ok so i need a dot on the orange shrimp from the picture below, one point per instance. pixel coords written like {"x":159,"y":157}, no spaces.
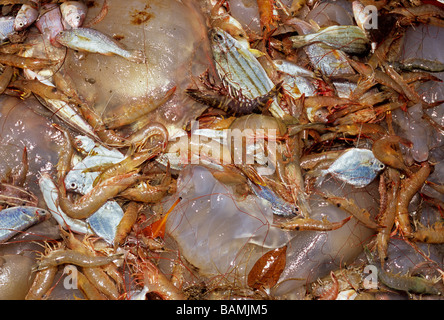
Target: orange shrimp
{"x":93,"y":200}
{"x":87,"y":288}
{"x":127,"y":222}
{"x":409,"y":187}
{"x":384,"y":152}
{"x":42,"y":283}
{"x":308,"y":224}
{"x":432,"y":234}
{"x":25,"y":63}
{"x":349,"y":206}
{"x":103,"y":283}
{"x":5,"y":78}
{"x":267,"y":17}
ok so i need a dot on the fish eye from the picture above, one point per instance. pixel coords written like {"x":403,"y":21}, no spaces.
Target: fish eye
{"x":382,"y":166}
{"x":73,"y":185}
{"x":217,"y":37}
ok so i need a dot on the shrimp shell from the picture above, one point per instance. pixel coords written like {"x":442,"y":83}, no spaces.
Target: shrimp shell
{"x":42,"y":283}
{"x":62,"y":256}
{"x":305,"y":224}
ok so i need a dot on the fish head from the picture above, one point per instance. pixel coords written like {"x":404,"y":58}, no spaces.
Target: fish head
{"x":25,"y":17}
{"x":84,"y":144}
{"x":75,"y":181}
{"x":221,"y":42}
{"x":73,"y":13}
{"x":377,"y":165}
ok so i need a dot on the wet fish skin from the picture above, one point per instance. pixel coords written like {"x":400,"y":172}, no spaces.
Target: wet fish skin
{"x":350,"y":39}
{"x":90,"y":40}
{"x":25,"y":17}
{"x":16,"y":219}
{"x":6,"y":28}
{"x":356,"y":166}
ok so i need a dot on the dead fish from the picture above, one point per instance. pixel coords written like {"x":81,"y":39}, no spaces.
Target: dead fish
{"x":355,"y":166}
{"x":350,"y":39}
{"x":90,"y":40}
{"x":16,"y":219}
{"x":73,"y":13}
{"x":26,"y":16}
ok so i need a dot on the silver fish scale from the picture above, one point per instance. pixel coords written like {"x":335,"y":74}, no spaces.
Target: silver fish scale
{"x":6,"y":28}
{"x":16,"y":219}
{"x":355,"y":166}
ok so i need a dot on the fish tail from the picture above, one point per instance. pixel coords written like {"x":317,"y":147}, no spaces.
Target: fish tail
{"x":298,"y":41}
{"x":137,"y":56}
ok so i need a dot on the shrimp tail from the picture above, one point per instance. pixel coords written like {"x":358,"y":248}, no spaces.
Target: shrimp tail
{"x":137,"y":56}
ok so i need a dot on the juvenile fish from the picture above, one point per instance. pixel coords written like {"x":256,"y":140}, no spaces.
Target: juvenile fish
{"x":16,"y":219}
{"x":355,"y":166}
{"x":90,"y":40}
{"x":73,"y":13}
{"x":350,"y":39}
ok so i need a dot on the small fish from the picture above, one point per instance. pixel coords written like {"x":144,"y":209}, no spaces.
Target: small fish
{"x":238,"y":67}
{"x":6,"y":28}
{"x":278,"y":206}
{"x":90,"y":40}
{"x":26,"y":16}
{"x":355,"y":166}
{"x":16,"y":219}
{"x":50,"y":22}
{"x":350,"y":39}
{"x":73,"y":13}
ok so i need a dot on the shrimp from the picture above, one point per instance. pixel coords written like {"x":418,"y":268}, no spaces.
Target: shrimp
{"x":238,"y":105}
{"x":267,"y":17}
{"x":65,"y":156}
{"x":62,"y":256}
{"x":100,"y":16}
{"x":5,"y":78}
{"x":87,"y":288}
{"x":93,"y":200}
{"x":157,"y":282}
{"x":384,"y":152}
{"x":102,"y":282}
{"x":308,"y":224}
{"x":42,"y":283}
{"x":311,"y":160}
{"x":128,"y":164}
{"x":128,"y":113}
{"x":432,"y":234}
{"x":127,"y":222}
{"x":405,"y":283}
{"x":144,"y":192}
{"x":332,"y":293}
{"x":349,"y":206}
{"x":387,"y":216}
{"x":409,"y":187}
{"x":24,"y":63}
{"x":436,"y":186}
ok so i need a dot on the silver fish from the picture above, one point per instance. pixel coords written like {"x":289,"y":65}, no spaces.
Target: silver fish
{"x":238,"y":67}
{"x":350,"y":39}
{"x":355,"y":166}
{"x":16,"y":219}
{"x":104,"y":221}
{"x":73,"y":13}
{"x":90,"y":40}
{"x":50,"y":195}
{"x":6,"y":28}
{"x":330,"y":62}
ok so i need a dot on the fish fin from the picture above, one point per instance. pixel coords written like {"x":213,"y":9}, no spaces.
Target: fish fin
{"x":315,"y":25}
{"x":256,"y":53}
{"x":137,"y":56}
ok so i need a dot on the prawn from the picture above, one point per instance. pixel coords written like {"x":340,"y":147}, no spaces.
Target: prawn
{"x":62,"y":256}
{"x":87,"y":288}
{"x":42,"y":283}
{"x":308,"y":224}
{"x":94,"y":199}
{"x":5,"y":78}
{"x":24,"y":62}
{"x":432,"y":234}
{"x":409,"y":187}
{"x":349,"y":206}
{"x":127,"y":222}
{"x":384,"y":152}
{"x":332,"y":293}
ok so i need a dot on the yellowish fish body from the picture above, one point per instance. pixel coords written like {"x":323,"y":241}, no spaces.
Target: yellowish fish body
{"x":90,"y":40}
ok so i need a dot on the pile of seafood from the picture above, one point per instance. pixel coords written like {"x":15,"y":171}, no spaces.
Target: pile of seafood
{"x":221,"y":149}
